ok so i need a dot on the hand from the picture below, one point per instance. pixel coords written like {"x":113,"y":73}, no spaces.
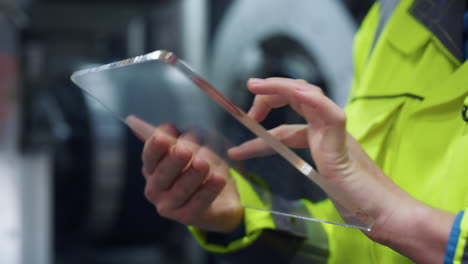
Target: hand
{"x":401,"y":222}
{"x":187,"y":182}
{"x":339,"y":158}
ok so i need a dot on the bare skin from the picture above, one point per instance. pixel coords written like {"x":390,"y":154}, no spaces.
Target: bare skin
{"x":185,"y":182}
{"x":403,"y":223}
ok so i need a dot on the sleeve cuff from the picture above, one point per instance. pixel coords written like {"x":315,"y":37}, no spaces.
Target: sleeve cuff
{"x":457,"y":250}
{"x":225,"y":239}
{"x":254,"y":220}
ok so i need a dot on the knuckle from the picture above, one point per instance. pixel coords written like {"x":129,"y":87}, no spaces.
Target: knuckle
{"x":144,"y":172}
{"x":151,"y":142}
{"x":319,"y":90}
{"x":260,"y":100}
{"x":158,"y":179}
{"x":317,"y":94}
{"x":150,"y":193}
{"x":203,"y":151}
{"x":340,"y":118}
{"x":179,"y":191}
{"x":168,"y":128}
{"x":186,"y":218}
{"x":163,"y":210}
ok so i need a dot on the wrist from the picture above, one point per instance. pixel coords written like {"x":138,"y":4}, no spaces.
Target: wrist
{"x":417,"y":231}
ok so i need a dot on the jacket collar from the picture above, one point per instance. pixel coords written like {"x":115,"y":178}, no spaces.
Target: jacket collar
{"x":444,"y":18}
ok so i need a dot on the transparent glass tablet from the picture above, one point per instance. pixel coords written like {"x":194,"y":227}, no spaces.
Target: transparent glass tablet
{"x":159,"y":88}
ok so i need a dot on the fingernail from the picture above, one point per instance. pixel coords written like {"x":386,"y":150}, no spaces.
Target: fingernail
{"x":256,"y":81}
{"x":182,"y":153}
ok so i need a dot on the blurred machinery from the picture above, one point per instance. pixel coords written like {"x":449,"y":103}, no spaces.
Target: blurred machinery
{"x":99,"y":212}
{"x":314,"y":44}
{"x":78,"y":186}
{"x":9,"y":169}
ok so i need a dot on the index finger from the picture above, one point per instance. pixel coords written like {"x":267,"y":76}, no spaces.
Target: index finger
{"x":280,"y":86}
{"x":156,"y":147}
{"x":274,"y":93}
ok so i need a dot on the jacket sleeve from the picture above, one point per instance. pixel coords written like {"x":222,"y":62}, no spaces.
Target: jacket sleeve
{"x":269,"y":237}
{"x":457,"y":247}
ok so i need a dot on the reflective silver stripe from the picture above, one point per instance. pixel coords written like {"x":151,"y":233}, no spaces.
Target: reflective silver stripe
{"x":386,"y":9}
{"x":286,"y":207}
{"x":314,"y":245}
{"x":444,"y":18}
{"x":289,"y":224}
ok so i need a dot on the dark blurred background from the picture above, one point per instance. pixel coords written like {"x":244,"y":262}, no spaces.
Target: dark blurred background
{"x":70,"y":183}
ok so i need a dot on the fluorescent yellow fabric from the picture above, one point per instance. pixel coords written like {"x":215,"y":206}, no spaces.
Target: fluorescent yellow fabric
{"x":405,"y":110}
{"x":462,"y":240}
{"x":420,"y":144}
{"x":255,"y":221}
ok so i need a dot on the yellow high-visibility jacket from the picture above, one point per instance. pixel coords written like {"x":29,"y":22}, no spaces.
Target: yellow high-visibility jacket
{"x":407,"y":108}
